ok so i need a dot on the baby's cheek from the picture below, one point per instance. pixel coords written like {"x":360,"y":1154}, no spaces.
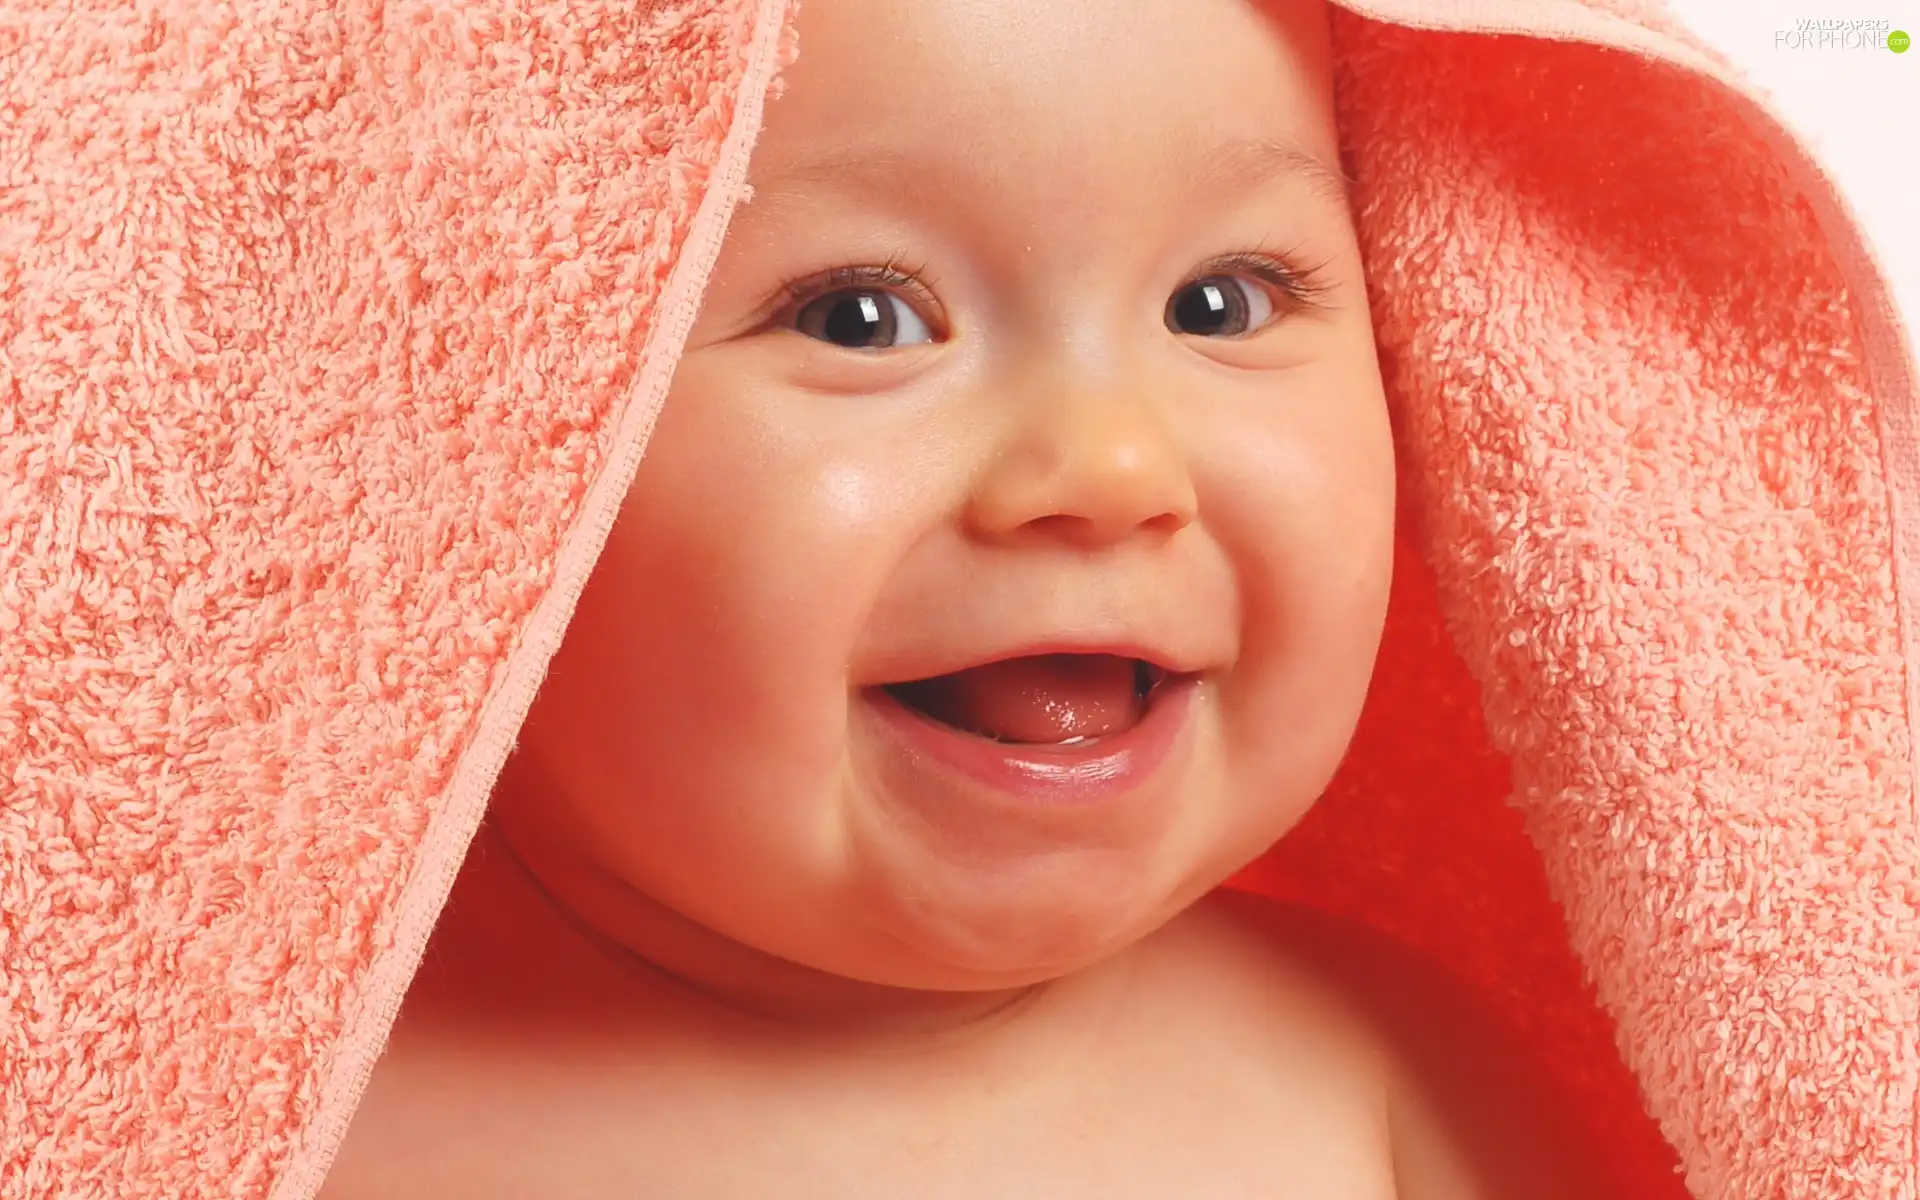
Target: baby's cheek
{"x":849,"y":494}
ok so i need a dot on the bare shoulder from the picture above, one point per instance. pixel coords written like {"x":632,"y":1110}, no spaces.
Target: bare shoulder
{"x":1471,"y":1115}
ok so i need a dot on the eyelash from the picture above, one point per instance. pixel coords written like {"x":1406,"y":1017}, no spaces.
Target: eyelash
{"x":1302,"y":286}
{"x":797,"y":293}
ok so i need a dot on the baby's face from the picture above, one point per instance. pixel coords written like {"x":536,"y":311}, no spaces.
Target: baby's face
{"x":1038,"y":332}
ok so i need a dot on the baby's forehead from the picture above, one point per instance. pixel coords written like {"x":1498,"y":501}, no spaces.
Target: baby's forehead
{"x":1199,"y":89}
{"x":1210,"y":160}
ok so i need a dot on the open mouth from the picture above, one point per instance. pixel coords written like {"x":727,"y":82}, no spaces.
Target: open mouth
{"x":1042,"y":699}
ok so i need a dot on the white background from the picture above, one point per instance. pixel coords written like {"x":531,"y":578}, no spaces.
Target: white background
{"x":1858,"y":109}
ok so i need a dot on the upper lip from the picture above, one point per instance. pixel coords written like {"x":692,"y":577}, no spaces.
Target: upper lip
{"x":1172,"y":660}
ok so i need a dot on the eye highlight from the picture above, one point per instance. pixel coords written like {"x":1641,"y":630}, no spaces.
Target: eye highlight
{"x":859,"y":308}
{"x":868,"y":309}
{"x":1219,"y":306}
{"x":1242,"y":294}
{"x":866,"y":319}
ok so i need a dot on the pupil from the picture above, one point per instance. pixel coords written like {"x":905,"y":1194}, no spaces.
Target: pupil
{"x":1209,"y":308}
{"x":857,"y":319}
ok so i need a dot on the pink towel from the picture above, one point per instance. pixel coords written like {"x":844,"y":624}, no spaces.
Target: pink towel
{"x":331,"y":334}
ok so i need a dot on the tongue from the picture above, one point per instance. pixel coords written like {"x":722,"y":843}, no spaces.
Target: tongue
{"x":1046,"y":698}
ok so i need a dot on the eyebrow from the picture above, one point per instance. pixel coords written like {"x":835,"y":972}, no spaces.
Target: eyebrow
{"x":1248,"y":161}
{"x":1239,"y":163}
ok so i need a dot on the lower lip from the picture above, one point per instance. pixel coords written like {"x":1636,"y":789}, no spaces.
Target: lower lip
{"x":1060,"y":775}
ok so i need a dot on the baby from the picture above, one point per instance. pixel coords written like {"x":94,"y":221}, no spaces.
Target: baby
{"x":1005,"y":571}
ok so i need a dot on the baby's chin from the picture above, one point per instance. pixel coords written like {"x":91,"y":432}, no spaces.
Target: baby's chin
{"x":969,"y":925}
{"x":973,"y":896}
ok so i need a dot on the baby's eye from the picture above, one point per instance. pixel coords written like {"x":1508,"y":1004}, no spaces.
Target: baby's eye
{"x":1220,"y":306}
{"x":861,"y":319}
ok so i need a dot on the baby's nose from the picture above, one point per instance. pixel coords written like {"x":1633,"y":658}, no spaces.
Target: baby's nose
{"x":1092,"y":468}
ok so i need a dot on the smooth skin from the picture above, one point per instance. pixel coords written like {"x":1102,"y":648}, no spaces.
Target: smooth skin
{"x":1121,"y":382}
{"x":1038,"y":455}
